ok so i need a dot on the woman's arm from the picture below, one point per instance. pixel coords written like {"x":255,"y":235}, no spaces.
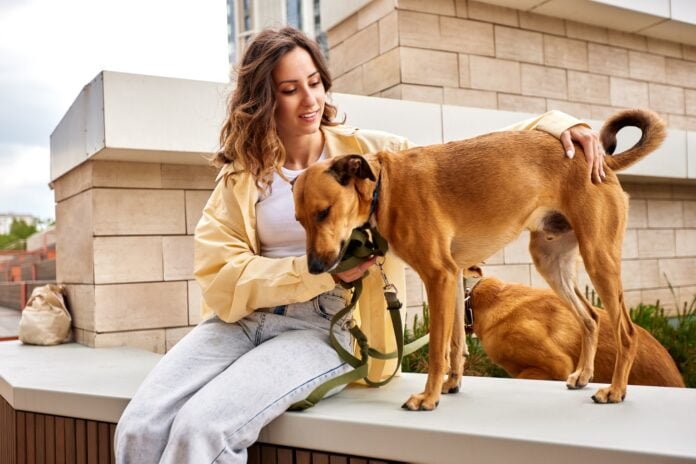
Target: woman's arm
{"x":234,"y":280}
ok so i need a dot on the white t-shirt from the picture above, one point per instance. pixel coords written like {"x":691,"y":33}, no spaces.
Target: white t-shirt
{"x":280,"y":234}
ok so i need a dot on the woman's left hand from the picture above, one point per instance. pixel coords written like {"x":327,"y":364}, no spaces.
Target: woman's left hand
{"x":589,"y":141}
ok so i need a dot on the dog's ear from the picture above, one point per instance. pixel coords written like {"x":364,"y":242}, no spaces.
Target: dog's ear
{"x":473,"y":272}
{"x":348,"y":167}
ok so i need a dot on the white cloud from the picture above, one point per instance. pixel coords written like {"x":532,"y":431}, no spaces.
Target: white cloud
{"x":49,"y":50}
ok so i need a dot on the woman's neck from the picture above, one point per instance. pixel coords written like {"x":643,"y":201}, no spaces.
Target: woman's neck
{"x":302,"y":151}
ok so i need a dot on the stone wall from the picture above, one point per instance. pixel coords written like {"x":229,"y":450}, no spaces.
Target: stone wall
{"x":125,"y":250}
{"x":474,"y":54}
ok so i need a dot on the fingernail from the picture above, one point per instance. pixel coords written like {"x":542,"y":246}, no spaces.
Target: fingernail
{"x":570,"y":153}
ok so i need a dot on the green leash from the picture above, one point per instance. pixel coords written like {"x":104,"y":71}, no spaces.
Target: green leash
{"x":359,"y":249}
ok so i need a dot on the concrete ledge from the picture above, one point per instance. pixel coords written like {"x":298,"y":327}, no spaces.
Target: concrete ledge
{"x":491,"y":420}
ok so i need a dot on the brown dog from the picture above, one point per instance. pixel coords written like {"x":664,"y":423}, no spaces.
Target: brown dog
{"x":532,"y":334}
{"x":444,"y":208}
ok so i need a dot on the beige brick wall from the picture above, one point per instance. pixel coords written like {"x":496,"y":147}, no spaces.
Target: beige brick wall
{"x":125,"y":250}
{"x":469,"y":53}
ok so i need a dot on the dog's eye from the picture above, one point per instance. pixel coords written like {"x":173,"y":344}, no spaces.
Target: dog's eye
{"x":321,"y":215}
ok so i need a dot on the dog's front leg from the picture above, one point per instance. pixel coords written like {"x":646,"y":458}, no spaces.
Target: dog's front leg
{"x":441,"y":287}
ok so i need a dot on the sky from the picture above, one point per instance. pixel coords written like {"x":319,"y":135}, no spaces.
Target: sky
{"x":49,"y":50}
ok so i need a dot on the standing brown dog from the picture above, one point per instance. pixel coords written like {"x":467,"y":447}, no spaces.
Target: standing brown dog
{"x":531,"y":333}
{"x":444,"y":208}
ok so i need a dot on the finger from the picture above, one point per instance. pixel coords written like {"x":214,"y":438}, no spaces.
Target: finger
{"x":600,"y":157}
{"x":364,"y":266}
{"x":567,"y":142}
{"x":597,"y":163}
{"x":589,"y":149}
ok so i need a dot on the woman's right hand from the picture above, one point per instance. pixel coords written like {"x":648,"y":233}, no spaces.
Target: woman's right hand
{"x":354,"y":273}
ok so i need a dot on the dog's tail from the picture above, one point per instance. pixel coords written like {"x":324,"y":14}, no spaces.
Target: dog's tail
{"x":648,"y":122}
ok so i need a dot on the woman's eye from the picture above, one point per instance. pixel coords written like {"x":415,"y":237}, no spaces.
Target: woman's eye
{"x":321,"y":215}
{"x":314,"y":84}
{"x":288,"y":91}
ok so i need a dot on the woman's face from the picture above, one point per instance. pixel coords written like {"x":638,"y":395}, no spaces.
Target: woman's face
{"x":299,"y":94}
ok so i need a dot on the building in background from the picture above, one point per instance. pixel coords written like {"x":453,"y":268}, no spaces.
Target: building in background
{"x":247,"y":17}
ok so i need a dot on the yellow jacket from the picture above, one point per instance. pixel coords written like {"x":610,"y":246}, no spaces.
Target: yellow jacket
{"x":235,"y":280}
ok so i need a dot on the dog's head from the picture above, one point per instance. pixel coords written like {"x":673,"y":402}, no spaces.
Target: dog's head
{"x":332,"y":198}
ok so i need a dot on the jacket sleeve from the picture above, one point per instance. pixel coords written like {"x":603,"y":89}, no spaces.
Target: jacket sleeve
{"x":553,"y":122}
{"x":234,"y":280}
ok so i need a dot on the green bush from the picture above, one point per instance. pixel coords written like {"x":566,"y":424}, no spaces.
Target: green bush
{"x":676,"y":334}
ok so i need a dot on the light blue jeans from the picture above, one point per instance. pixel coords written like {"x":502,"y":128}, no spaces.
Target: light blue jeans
{"x":209,"y":397}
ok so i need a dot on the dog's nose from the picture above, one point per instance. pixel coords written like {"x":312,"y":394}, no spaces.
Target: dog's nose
{"x":316,"y":266}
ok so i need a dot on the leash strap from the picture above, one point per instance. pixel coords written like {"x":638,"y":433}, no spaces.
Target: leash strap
{"x":358,"y":250}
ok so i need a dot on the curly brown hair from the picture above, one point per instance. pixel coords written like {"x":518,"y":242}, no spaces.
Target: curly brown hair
{"x":249,"y":136}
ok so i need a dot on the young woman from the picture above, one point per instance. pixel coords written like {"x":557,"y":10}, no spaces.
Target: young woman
{"x":265,"y":344}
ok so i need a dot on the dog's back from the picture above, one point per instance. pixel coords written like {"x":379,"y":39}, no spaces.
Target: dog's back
{"x":532,"y":334}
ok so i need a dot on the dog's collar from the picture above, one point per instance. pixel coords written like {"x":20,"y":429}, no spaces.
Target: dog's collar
{"x":375,"y":200}
{"x":469,"y":285}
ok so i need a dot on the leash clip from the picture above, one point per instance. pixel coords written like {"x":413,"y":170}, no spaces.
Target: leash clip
{"x":348,"y":324}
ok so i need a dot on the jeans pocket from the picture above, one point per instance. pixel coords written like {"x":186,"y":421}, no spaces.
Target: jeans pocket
{"x":328,"y":304}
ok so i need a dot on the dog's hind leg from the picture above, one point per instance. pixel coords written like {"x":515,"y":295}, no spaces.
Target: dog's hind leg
{"x":555,"y":254}
{"x":458,"y":348}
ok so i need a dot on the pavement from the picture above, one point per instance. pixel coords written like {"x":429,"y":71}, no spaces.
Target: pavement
{"x":9,"y":322}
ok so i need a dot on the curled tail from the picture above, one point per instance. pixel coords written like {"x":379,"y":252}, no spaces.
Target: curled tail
{"x":648,"y":122}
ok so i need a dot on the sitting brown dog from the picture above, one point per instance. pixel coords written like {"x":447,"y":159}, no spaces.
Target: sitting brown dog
{"x":532,"y":334}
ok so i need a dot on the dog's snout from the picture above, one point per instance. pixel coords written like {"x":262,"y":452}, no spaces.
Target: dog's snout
{"x":316,"y":266}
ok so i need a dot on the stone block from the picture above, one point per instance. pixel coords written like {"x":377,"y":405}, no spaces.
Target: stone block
{"x":590,"y":88}
{"x":611,"y":61}
{"x":462,"y":35}
{"x":579,"y":110}
{"x":374,"y":11}
{"x":666,"y":98}
{"x":442,"y":67}
{"x":646,"y":66}
{"x":630,"y":244}
{"x":74,"y":242}
{"x":195,"y":202}
{"x":492,"y":13}
{"x":628,"y":93}
{"x":355,"y":50}
{"x":126,"y":174}
{"x":494,"y":74}
{"x":541,"y":23}
{"x":684,"y":192}
{"x":521,"y":103}
{"x":541,"y":81}
{"x":663,"y":295}
{"x":628,"y":40}
{"x":690,"y":101}
{"x":79,"y":300}
{"x":149,"y":340}
{"x":686,"y":242}
{"x":464,"y":76}
{"x":188,"y":176}
{"x":680,"y":72}
{"x":382,"y":72}
{"x":517,"y":44}
{"x":73,"y":182}
{"x":565,"y":53}
{"x":586,"y":32}
{"x":389,"y":32}
{"x":138,"y":212}
{"x":658,"y":243}
{"x":679,"y":271}
{"x":421,"y":93}
{"x":637,"y":214}
{"x":177,"y":253}
{"x":127,"y":259}
{"x":140,"y":306}
{"x":194,"y":302}
{"x":473,"y":98}
{"x":664,"y":47}
{"x":665,"y":214}
{"x":678,"y":121}
{"x":350,"y":82}
{"x":173,"y":335}
{"x":689,"y":52}
{"x":600,"y":112}
{"x":440,"y":7}
{"x":346,"y":28}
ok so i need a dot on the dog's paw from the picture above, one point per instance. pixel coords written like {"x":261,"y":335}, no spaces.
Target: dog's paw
{"x":421,"y":402}
{"x":452,"y":385}
{"x":578,"y":379}
{"x":609,"y":395}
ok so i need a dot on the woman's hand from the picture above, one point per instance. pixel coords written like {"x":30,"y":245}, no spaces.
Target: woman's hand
{"x":589,"y":141}
{"x":354,"y":273}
